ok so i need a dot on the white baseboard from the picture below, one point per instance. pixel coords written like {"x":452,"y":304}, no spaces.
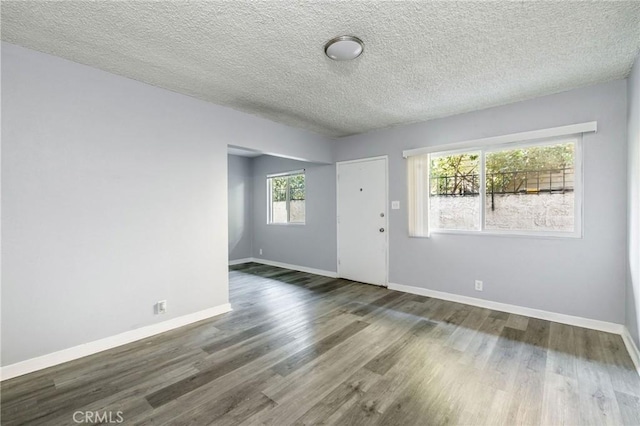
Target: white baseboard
{"x":314,"y":271}
{"x":240,"y":261}
{"x":634,"y":353}
{"x":65,"y":355}
{"x":609,"y":327}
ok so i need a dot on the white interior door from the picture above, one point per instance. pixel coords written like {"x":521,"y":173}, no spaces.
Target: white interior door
{"x":362,"y":220}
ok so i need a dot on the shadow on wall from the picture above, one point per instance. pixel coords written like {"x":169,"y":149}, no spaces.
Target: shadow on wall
{"x":237,"y":204}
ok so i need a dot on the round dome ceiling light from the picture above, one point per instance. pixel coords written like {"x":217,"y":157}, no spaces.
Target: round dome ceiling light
{"x":344,"y":48}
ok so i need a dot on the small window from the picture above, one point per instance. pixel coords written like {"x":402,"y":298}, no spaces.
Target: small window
{"x":520,"y":188}
{"x":286,"y":198}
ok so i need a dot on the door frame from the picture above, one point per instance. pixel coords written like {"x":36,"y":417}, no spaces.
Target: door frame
{"x":386,"y":210}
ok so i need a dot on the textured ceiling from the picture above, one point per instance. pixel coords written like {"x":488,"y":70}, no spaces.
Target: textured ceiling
{"x":422,"y":60}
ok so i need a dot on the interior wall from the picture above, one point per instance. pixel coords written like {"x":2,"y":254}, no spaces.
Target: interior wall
{"x":633,"y":278}
{"x":240,"y":171}
{"x":114,"y":196}
{"x":582,"y":277}
{"x":312,"y":245}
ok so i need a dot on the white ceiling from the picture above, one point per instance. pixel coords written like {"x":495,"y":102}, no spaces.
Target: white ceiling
{"x":422,"y":60}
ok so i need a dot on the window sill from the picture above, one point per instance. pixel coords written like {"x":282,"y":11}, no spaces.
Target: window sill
{"x":287,"y":224}
{"x":513,"y":234}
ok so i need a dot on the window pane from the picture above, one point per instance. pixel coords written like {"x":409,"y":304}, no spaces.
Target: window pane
{"x":297,"y":196}
{"x":531,"y":188}
{"x":279,"y":199}
{"x":454,"y":196}
{"x":287,"y":198}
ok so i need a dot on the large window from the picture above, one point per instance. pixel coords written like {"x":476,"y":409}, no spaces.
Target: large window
{"x":531,"y":188}
{"x":286,"y":198}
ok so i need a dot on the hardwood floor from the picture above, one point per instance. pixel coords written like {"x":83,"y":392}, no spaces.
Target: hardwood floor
{"x":304,"y":349}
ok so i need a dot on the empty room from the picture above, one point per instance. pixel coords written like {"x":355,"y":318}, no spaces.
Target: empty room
{"x":320,"y":212}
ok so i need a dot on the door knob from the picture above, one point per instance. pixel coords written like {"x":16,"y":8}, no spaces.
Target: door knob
{"x":381,"y":229}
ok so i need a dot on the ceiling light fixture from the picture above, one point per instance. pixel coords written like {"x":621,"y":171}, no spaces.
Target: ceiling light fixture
{"x":344,"y":48}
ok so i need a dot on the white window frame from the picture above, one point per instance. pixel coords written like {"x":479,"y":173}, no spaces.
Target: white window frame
{"x":288,"y":194}
{"x":571,"y":133}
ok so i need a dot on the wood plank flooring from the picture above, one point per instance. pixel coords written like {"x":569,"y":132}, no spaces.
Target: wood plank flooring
{"x":300,"y":349}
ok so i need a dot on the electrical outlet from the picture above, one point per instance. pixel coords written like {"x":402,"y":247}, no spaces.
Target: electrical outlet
{"x":161,"y":307}
{"x":260,"y":252}
{"x":478,"y":285}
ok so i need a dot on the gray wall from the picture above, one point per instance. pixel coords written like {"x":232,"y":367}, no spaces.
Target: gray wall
{"x":313,"y":244}
{"x":583,"y":277}
{"x":240,"y":207}
{"x":114,"y":196}
{"x":633,"y":277}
